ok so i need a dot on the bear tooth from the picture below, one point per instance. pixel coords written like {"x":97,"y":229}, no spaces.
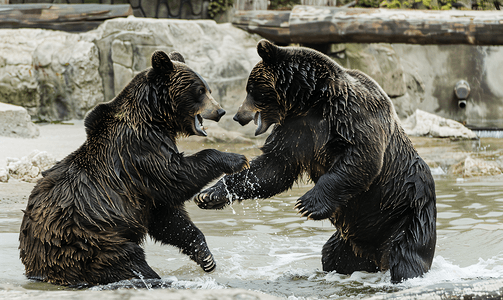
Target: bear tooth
{"x":198,"y":122}
{"x":256,"y":119}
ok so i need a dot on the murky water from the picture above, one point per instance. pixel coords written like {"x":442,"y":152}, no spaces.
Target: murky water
{"x":264,"y":245}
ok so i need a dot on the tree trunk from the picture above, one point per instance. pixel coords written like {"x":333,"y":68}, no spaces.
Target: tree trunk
{"x":73,"y":17}
{"x":325,"y":25}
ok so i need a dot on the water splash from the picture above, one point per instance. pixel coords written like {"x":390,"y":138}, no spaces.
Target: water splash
{"x":437,"y":171}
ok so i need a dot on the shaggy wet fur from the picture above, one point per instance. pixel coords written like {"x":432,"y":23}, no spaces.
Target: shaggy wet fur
{"x":340,"y":128}
{"x":89,"y":214}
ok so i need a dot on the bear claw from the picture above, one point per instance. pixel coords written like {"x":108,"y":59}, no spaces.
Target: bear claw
{"x":199,"y":198}
{"x":311,"y":212}
{"x":210,"y":264}
{"x":209,"y":201}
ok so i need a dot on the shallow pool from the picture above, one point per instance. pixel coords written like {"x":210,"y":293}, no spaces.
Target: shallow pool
{"x":264,"y":245}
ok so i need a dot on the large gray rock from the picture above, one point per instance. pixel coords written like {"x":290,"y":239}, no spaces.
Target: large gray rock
{"x":379,"y":61}
{"x":59,"y":75}
{"x":424,"y":76}
{"x":51,"y":73}
{"x":422,"y":123}
{"x":16,"y":122}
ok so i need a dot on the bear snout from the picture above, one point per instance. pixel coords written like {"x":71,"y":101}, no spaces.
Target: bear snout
{"x":243,"y":118}
{"x":211,"y":110}
{"x":220,"y":114}
{"x":214,"y":115}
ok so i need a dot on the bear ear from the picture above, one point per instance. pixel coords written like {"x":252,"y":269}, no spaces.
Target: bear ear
{"x":161,"y":61}
{"x":267,"y":50}
{"x":176,"y":56}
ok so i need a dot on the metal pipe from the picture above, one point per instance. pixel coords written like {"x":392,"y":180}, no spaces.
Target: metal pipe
{"x":462,"y":91}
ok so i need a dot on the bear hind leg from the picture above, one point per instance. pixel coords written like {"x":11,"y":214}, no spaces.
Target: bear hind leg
{"x":173,"y":226}
{"x":132,"y":265}
{"x":338,"y":255}
{"x":412,"y":254}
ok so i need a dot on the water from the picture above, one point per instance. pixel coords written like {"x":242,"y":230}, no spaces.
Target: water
{"x":489,"y":133}
{"x":264,"y":245}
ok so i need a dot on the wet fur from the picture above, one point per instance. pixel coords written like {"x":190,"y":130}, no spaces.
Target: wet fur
{"x":340,"y":128}
{"x":88,"y":216}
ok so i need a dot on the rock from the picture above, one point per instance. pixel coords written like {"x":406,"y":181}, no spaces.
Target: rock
{"x":471,"y":167}
{"x":29,"y":168}
{"x":4,"y":175}
{"x":53,"y":74}
{"x":422,"y":123}
{"x":16,"y":122}
{"x":379,"y":61}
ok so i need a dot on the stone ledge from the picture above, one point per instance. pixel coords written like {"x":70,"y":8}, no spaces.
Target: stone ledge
{"x":16,"y":122}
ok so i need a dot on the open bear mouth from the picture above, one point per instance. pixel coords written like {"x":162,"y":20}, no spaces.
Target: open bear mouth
{"x":198,"y":125}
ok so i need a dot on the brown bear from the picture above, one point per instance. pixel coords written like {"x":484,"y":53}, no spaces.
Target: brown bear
{"x":340,"y":128}
{"x":89,"y":214}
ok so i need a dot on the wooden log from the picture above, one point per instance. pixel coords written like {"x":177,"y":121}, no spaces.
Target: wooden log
{"x":270,"y":24}
{"x":324,"y":25}
{"x":67,"y":17}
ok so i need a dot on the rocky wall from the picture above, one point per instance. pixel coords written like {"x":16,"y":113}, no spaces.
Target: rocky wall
{"x":53,"y":74}
{"x":424,"y":76}
{"x":60,"y":76}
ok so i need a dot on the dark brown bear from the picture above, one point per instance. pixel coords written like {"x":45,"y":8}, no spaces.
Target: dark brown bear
{"x":340,"y":128}
{"x":89,"y":214}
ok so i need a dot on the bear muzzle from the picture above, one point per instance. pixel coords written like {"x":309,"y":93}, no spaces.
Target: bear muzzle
{"x":246,"y":111}
{"x":209,"y":110}
{"x":198,"y":120}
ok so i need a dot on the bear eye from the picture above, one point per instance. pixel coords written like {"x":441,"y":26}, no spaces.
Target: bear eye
{"x":201,"y":91}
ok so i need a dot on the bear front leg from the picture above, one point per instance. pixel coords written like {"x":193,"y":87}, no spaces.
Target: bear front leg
{"x":318,"y":203}
{"x":268,"y":175}
{"x":350,"y":175}
{"x":174,"y":227}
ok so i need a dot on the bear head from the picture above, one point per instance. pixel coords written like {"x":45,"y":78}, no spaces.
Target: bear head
{"x":262,"y":101}
{"x":180,"y":95}
{"x":288,"y":82}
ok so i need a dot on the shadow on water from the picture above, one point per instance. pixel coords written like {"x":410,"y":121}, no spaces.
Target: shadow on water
{"x":266,"y":246}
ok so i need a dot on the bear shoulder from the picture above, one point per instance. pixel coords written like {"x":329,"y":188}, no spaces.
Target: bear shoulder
{"x":95,"y":118}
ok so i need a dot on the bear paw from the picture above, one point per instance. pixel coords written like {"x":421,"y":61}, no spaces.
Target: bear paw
{"x":313,"y":208}
{"x":233,"y":163}
{"x":208,"y":264}
{"x":203,"y":257}
{"x":210,"y":200}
